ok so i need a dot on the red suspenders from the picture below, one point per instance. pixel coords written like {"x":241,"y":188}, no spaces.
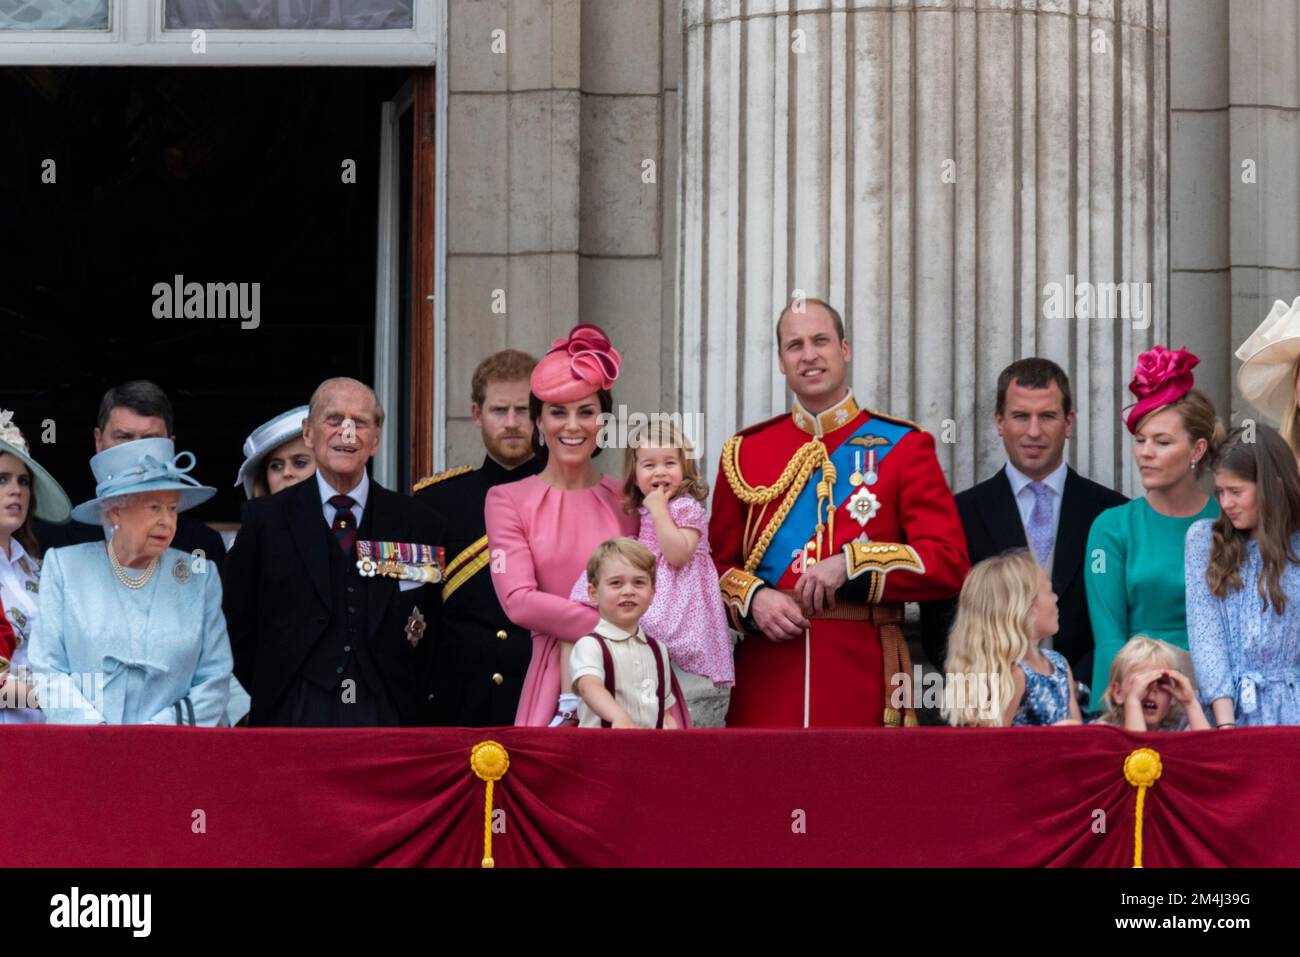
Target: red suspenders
{"x":608,"y":662}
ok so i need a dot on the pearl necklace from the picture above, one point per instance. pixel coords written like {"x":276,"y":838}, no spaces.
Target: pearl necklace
{"x":123,"y":577}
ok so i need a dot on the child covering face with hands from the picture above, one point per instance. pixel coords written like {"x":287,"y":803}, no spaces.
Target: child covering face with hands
{"x":1150,"y":689}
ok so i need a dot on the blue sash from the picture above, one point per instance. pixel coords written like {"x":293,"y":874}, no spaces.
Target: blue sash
{"x":800,"y":523}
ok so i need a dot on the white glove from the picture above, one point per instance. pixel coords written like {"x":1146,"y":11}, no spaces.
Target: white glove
{"x":566,"y":710}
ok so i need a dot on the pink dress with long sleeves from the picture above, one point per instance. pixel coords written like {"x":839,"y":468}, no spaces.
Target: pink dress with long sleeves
{"x":539,"y":539}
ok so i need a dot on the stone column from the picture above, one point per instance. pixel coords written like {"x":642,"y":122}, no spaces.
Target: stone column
{"x":513,"y":158}
{"x":561,"y":190}
{"x":929,"y":167}
{"x":1235,"y":91}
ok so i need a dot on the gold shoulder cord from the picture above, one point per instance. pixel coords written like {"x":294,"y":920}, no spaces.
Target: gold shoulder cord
{"x":790,"y":483}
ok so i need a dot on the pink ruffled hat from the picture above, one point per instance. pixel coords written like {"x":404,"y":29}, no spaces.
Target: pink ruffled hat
{"x":1163,"y":376}
{"x":576,"y":366}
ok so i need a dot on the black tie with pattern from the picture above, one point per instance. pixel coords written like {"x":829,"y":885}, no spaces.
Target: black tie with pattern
{"x":345,"y":523}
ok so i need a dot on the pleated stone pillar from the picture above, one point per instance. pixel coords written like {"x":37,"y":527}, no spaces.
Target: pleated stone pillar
{"x":962,"y":179}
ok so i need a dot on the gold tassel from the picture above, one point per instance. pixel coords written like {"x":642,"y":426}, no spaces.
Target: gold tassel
{"x":490,"y":761}
{"x":1141,"y":769}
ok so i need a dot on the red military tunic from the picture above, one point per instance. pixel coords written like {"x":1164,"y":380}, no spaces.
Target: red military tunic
{"x":896,"y":526}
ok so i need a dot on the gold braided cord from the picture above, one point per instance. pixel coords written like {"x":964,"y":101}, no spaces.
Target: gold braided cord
{"x":465,"y":574}
{"x":826,"y":496}
{"x":489,"y":761}
{"x":747,"y":540}
{"x":810,"y":457}
{"x":763,"y":494}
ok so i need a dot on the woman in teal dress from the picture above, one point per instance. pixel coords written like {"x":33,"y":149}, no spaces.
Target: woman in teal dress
{"x":131,"y":631}
{"x":1135,"y":579}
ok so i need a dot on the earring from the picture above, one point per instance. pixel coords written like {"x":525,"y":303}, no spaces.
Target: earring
{"x":541,"y":442}
{"x":1193,"y":466}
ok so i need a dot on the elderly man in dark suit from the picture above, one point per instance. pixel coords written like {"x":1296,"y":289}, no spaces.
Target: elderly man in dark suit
{"x":1035,"y":501}
{"x":332,"y":590}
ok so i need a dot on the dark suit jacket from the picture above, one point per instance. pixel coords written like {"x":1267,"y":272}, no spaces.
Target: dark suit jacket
{"x":191,"y":534}
{"x":992,"y":523}
{"x":278,"y":604}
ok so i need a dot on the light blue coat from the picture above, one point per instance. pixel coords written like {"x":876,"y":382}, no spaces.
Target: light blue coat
{"x":102,"y":653}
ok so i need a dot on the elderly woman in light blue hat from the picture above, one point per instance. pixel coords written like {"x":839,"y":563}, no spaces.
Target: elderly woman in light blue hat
{"x":275,"y":456}
{"x":27,"y":492}
{"x":130,"y":631}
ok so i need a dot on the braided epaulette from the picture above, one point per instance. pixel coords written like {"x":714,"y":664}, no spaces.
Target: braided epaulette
{"x":435,"y":479}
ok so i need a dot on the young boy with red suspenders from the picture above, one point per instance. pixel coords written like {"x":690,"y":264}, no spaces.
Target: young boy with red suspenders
{"x":622,"y":675}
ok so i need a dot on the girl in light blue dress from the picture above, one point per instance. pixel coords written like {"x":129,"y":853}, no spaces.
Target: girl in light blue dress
{"x":1243,"y":585}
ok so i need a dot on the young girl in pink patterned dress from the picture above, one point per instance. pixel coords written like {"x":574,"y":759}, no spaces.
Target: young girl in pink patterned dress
{"x":662,"y":483}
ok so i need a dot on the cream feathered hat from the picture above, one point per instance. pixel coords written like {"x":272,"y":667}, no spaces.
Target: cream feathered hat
{"x":1268,"y":357}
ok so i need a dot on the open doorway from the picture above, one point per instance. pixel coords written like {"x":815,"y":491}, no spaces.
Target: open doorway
{"x":114,"y":180}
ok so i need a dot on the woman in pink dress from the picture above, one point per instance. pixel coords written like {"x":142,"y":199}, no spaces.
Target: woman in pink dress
{"x":542,"y":529}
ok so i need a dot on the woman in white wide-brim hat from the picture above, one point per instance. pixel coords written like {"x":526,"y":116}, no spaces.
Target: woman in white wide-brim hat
{"x":275,"y":456}
{"x":1270,"y":363}
{"x":27,"y":492}
{"x":131,"y":631}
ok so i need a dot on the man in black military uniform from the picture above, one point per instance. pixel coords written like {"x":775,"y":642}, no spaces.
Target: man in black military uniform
{"x":482,"y":657}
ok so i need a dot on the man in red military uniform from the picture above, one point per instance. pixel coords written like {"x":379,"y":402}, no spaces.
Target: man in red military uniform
{"x":825,"y":521}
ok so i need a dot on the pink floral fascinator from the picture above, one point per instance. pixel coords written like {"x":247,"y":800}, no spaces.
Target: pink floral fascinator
{"x":1162,"y":376}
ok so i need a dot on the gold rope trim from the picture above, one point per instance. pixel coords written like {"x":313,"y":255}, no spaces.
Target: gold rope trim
{"x":464,"y":556}
{"x":790,"y":483}
{"x":490,"y":761}
{"x":1142,"y":769}
{"x":465,"y":574}
{"x":435,"y":479}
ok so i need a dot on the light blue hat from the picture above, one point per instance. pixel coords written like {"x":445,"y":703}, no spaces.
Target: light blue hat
{"x":264,"y":440}
{"x":145,"y":465}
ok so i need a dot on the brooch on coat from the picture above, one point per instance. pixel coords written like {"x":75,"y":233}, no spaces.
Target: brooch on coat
{"x":863,"y":506}
{"x":401,"y":560}
{"x":415,"y":627}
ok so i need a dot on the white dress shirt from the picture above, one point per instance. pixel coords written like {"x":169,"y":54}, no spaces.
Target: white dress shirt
{"x":359,"y":495}
{"x":636,"y":675}
{"x":19,"y":578}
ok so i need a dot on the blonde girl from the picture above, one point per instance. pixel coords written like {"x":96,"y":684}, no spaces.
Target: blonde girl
{"x":1152,"y":689}
{"x":997,"y":673}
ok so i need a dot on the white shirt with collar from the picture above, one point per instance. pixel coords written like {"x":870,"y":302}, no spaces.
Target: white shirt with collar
{"x":1024,"y":495}
{"x":636,"y":675}
{"x":360,"y":495}
{"x":19,"y":576}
